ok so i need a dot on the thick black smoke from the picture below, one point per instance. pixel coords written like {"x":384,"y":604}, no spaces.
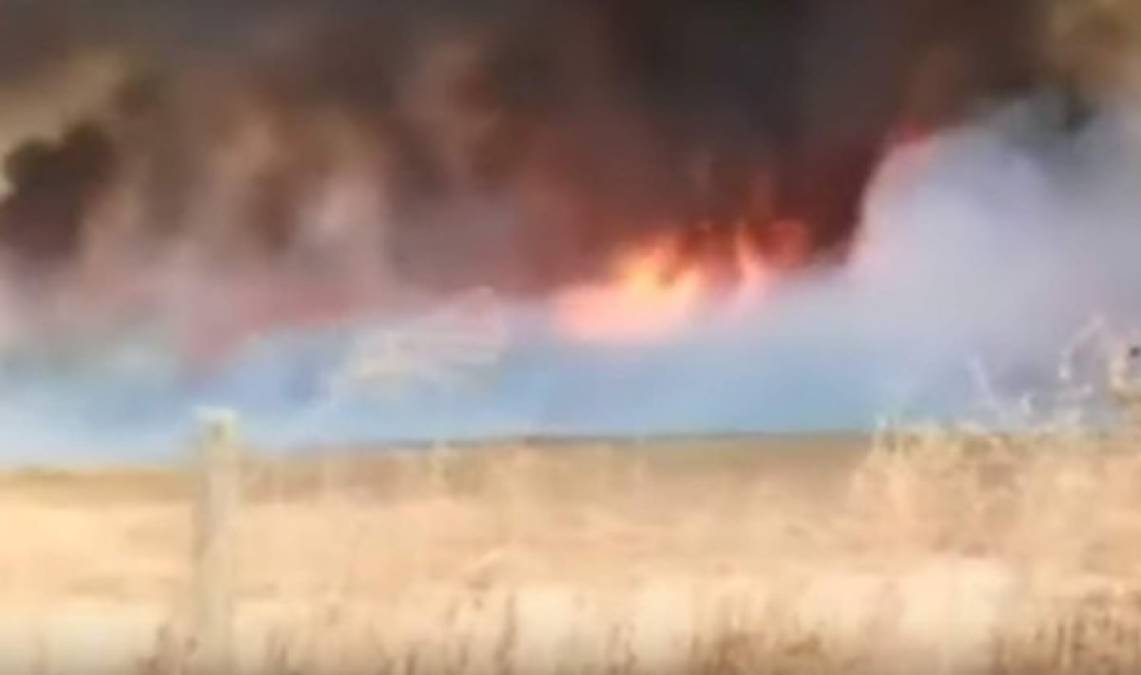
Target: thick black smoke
{"x":511,"y":143}
{"x":56,"y":184}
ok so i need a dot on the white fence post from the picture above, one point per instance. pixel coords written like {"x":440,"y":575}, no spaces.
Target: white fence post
{"x":215,"y":509}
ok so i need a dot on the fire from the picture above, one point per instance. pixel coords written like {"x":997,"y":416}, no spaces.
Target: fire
{"x":657,"y":290}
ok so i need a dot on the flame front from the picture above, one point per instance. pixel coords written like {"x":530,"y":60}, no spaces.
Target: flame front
{"x":657,"y":290}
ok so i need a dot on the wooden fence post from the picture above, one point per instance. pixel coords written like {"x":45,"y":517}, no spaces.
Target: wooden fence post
{"x":215,"y":509}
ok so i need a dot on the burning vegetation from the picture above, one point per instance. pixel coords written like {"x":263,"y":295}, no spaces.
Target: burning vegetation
{"x":658,"y":288}
{"x":607,"y":152}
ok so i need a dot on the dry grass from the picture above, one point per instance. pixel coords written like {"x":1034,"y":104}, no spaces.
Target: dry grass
{"x":932,"y":553}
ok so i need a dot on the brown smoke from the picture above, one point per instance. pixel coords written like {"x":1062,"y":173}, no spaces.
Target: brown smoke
{"x":510,"y":143}
{"x":1096,"y":44}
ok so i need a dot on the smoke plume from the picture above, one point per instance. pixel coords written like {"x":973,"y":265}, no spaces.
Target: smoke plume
{"x":234,"y":170}
{"x":512,"y":143}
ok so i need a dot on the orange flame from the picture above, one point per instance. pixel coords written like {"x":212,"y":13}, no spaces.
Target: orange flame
{"x":655,"y":291}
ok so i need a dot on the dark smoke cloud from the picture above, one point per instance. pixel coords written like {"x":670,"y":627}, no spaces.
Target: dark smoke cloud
{"x":512,"y":143}
{"x":260,"y":168}
{"x":56,"y":184}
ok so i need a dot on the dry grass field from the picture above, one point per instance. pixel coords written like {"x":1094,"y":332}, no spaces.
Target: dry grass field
{"x":929,"y":553}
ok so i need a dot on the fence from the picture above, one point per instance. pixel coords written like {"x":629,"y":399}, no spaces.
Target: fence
{"x":214,"y":543}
